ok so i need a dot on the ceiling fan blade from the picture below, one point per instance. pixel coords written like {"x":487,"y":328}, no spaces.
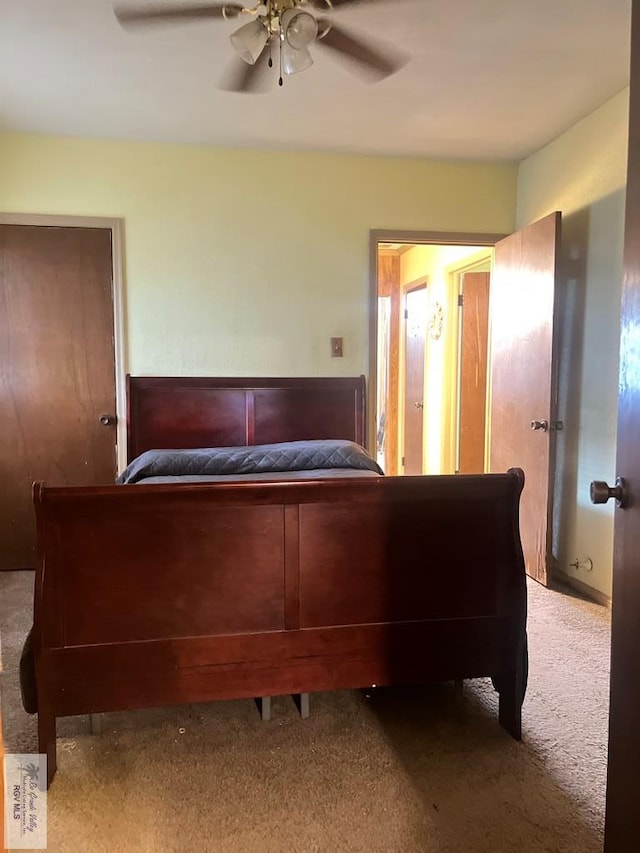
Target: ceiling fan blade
{"x":148,"y":15}
{"x":325,"y":6}
{"x":371,"y":60}
{"x":242,"y":77}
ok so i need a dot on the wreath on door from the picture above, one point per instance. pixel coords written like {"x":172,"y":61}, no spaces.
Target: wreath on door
{"x":436,"y":321}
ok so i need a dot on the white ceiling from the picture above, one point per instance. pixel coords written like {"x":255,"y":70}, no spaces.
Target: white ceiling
{"x":487,"y":79}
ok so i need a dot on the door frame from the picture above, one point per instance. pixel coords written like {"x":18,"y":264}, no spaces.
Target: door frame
{"x":381,"y":235}
{"x":456,"y":273}
{"x":116,"y":227}
{"x":410,"y":286}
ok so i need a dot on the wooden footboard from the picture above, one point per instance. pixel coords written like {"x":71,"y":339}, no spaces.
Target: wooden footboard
{"x":154,"y":595}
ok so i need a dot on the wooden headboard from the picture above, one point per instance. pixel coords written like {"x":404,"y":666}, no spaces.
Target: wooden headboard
{"x":183,"y":412}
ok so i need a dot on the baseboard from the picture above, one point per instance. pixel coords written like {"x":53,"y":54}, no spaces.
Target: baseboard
{"x":583,"y":589}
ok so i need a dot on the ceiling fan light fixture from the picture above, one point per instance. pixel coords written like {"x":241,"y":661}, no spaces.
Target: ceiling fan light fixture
{"x":250,"y":40}
{"x":286,"y":28}
{"x":300,"y":28}
{"x":294,"y":60}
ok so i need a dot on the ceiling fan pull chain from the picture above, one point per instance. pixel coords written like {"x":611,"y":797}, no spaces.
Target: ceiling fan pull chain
{"x":280,"y":40}
{"x":269,"y":26}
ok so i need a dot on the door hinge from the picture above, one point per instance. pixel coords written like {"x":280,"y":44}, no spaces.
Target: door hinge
{"x":406,"y":313}
{"x":460,"y":300}
{"x":403,"y":461}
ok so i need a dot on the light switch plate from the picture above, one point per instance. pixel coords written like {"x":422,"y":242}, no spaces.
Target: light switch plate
{"x":336,"y":347}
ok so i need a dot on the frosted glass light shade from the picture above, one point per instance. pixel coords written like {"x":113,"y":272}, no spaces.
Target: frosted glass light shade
{"x":295,"y":60}
{"x":249,"y":41}
{"x":299,"y":28}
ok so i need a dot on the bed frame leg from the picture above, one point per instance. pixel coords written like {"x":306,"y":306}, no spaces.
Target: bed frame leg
{"x":264,"y":706}
{"x":95,"y":724}
{"x":511,"y":687}
{"x":302,"y":704}
{"x":47,"y":741}
{"x":510,"y":710}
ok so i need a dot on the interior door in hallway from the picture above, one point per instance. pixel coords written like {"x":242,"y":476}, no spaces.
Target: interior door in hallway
{"x":523,"y":417}
{"x":57,"y":371}
{"x":473,"y":372}
{"x":415,"y":334}
{"x":622,"y":825}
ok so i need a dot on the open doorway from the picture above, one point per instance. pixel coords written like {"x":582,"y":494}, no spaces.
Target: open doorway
{"x":431,"y":356}
{"x":490,"y":386}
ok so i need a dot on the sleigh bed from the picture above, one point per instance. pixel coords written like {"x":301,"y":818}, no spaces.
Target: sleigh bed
{"x":173,"y":592}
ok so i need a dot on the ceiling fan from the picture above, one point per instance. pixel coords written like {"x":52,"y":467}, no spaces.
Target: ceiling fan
{"x":284,"y":28}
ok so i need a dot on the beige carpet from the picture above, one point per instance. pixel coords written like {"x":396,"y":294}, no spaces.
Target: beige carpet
{"x":396,"y":771}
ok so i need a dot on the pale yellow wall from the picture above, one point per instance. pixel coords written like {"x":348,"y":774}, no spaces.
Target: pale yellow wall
{"x":435,"y":264}
{"x":583,"y":174}
{"x":244,"y":262}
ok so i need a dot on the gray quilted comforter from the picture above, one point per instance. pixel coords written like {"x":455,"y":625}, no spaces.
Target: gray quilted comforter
{"x":258,"y":459}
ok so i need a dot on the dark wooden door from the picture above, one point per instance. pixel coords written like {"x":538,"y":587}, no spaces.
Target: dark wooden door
{"x":415,"y":332}
{"x":523,"y":388}
{"x":57,"y":370}
{"x":473,"y":372}
{"x":622,"y":830}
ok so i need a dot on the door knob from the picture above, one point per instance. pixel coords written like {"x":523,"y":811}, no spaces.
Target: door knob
{"x":107,"y":420}
{"x":418,"y":404}
{"x":541,"y":425}
{"x":600,"y":492}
